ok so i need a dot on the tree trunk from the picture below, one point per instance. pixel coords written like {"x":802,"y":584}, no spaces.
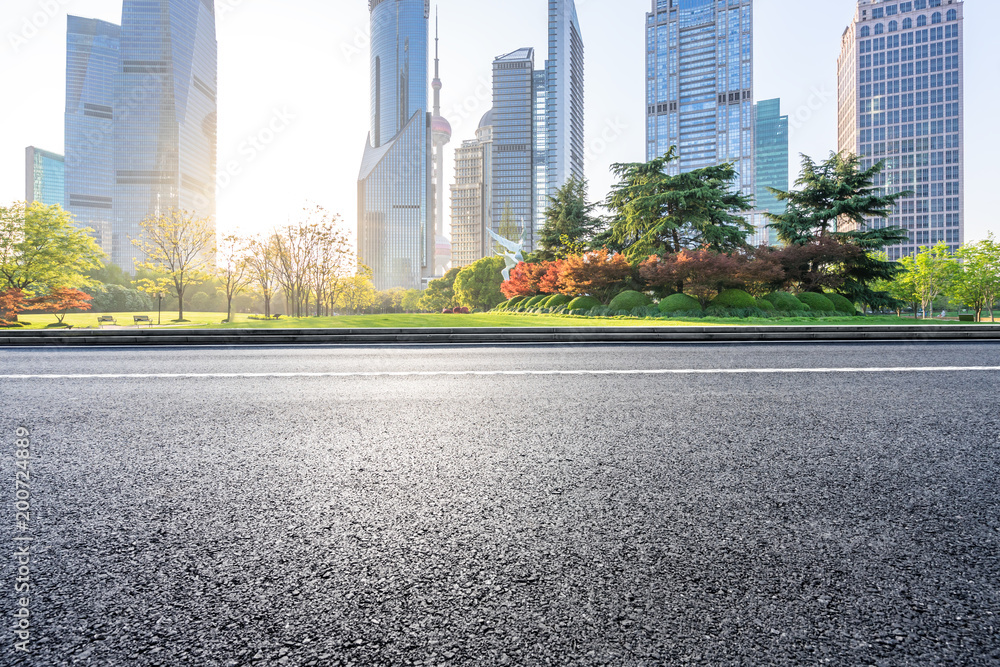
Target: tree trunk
{"x":180,"y":304}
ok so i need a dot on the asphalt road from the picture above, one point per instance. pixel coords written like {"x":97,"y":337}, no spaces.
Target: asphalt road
{"x":232,"y":507}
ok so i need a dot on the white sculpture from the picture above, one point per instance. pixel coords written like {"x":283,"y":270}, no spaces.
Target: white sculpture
{"x":514,"y":254}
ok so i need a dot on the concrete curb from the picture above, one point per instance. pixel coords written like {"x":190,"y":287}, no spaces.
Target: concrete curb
{"x":460,"y":336}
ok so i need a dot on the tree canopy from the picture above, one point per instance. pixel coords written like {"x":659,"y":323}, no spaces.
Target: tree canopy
{"x":569,"y":222}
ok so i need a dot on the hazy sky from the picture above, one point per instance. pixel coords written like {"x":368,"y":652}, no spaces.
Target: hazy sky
{"x":301,"y":67}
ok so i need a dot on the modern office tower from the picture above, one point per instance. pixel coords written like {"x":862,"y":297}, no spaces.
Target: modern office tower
{"x":514,"y":120}
{"x":699,"y":84}
{"x":470,"y":196}
{"x":771,"y":164}
{"x":93,"y":63}
{"x":44,"y":177}
{"x":564,"y":102}
{"x":395,"y":191}
{"x":900,"y":94}
{"x":440,"y":136}
{"x":165,"y":117}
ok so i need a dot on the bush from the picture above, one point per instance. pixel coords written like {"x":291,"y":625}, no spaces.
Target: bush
{"x":764,"y":304}
{"x":842,"y":304}
{"x":516,"y":301}
{"x":733,"y":298}
{"x":535,"y":301}
{"x":679,"y":303}
{"x":582,"y":304}
{"x":785,"y":302}
{"x":556,"y":300}
{"x":628,"y":301}
{"x":817,"y":302}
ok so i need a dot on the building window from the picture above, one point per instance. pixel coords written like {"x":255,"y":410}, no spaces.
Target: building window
{"x":936,"y":18}
{"x":893,"y":26}
{"x":879,"y":28}
{"x":866,"y":31}
{"x":921,"y":21}
{"x":952,"y":15}
{"x":907,"y":24}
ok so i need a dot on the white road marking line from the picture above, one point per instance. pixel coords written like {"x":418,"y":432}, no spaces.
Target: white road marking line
{"x":404,"y":374}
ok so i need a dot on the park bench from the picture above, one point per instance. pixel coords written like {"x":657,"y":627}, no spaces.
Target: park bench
{"x":106,"y":319}
{"x":139,"y":320}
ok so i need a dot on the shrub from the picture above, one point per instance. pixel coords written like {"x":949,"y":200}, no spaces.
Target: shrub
{"x":733,"y":298}
{"x":535,"y":301}
{"x":764,"y":304}
{"x":679,"y":303}
{"x":817,"y":302}
{"x":785,"y":302}
{"x":516,"y":301}
{"x":583,"y":304}
{"x":556,"y":300}
{"x":842,"y":304}
{"x":628,"y":301}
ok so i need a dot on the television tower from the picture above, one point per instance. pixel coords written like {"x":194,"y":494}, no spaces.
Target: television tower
{"x":440,"y":136}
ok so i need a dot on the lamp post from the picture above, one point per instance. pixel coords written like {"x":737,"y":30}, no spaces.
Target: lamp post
{"x":159,"y":306}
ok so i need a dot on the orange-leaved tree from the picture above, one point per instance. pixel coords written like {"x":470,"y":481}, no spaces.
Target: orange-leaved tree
{"x":62,"y":300}
{"x":599,"y":274}
{"x":524,"y":280}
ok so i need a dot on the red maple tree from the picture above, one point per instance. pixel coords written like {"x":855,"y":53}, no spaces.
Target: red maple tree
{"x":524,"y":280}
{"x":599,"y":274}
{"x":60,"y":301}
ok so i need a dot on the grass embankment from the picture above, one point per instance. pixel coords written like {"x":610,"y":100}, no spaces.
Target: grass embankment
{"x":481,"y":320}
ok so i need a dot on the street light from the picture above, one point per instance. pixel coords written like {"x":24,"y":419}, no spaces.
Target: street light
{"x":159,"y":306}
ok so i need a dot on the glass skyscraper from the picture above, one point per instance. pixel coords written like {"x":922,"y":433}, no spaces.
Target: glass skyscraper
{"x":699,"y":84}
{"x":165,"y":116}
{"x":44,"y":177}
{"x":395,"y":225}
{"x":901,"y":82}
{"x":93,"y":63}
{"x":514,"y":157}
{"x":564,"y":99}
{"x":771,"y":164}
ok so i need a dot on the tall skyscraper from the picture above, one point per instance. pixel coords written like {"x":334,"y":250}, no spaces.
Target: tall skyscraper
{"x":395,"y":190}
{"x":471,"y":196}
{"x":440,"y":136}
{"x":93,"y":64}
{"x":165,"y":116}
{"x":44,"y":177}
{"x":901,"y":100}
{"x":564,"y":102}
{"x":699,"y":84}
{"x":771,"y":164}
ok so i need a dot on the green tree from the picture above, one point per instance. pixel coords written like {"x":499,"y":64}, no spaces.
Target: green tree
{"x":977,"y":283}
{"x":837,"y":194}
{"x":42,"y":250}
{"x":935,"y":271}
{"x":509,"y":228}
{"x":900,"y":287}
{"x":179,"y":246}
{"x":233,"y":271}
{"x":569,"y":222}
{"x":478,"y":285}
{"x":411,"y":300}
{"x":440,"y":293}
{"x":655,"y":212}
{"x":111,"y":274}
{"x":358,"y":292}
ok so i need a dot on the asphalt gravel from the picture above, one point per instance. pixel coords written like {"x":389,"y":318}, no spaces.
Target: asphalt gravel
{"x":755,"y":519}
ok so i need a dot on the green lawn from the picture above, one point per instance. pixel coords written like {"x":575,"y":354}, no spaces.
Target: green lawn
{"x":403,"y":321}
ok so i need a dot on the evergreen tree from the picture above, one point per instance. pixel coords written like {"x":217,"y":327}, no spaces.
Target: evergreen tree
{"x":509,"y":228}
{"x":569,"y":222}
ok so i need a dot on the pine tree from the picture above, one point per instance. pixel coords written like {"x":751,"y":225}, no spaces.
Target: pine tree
{"x":569,"y":222}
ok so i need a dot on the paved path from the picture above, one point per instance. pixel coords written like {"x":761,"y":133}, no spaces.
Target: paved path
{"x":428,"y":506}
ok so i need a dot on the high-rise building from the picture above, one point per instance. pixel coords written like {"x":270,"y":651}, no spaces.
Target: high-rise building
{"x":699,"y":84}
{"x":564,"y":101}
{"x":395,"y":190}
{"x":470,"y":196}
{"x":771,"y":164}
{"x":44,"y":177}
{"x":440,"y":136}
{"x":93,"y":64}
{"x":900,"y":96}
{"x":165,"y":117}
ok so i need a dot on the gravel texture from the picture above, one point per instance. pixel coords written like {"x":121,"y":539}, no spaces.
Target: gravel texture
{"x":587,"y":520}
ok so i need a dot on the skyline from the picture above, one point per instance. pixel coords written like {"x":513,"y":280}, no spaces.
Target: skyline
{"x":299,"y":114}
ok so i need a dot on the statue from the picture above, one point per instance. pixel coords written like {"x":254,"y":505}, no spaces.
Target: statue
{"x":514,"y":254}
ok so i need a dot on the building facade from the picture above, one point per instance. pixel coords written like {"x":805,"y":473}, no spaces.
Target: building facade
{"x":901,"y":91}
{"x":165,"y":117}
{"x":564,"y":99}
{"x":699,"y":84}
{"x":771,"y":165}
{"x":93,"y":64}
{"x":395,"y":188}
{"x":471,"y":196}
{"x":44,"y":177}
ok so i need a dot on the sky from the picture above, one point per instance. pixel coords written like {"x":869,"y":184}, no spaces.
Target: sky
{"x":294,"y":98}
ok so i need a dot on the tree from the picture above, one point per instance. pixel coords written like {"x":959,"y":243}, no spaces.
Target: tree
{"x":478,"y":285}
{"x":524,"y":280}
{"x":262,"y":263}
{"x":179,"y":246}
{"x":41,"y":249}
{"x":569,"y":222}
{"x":839,"y":193}
{"x":818,"y":265}
{"x":599,"y":274}
{"x":358,"y":292}
{"x":440,"y":293}
{"x":62,"y":300}
{"x":701,"y":274}
{"x":110,"y":274}
{"x":12,"y":302}
{"x":935,"y":270}
{"x":233,"y":271}
{"x":508,"y":227}
{"x":977,"y":283}
{"x":411,"y":300}
{"x":655,"y":212}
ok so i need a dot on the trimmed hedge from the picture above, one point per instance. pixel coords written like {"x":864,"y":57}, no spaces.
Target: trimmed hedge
{"x":629,"y":300}
{"x":785,"y":302}
{"x":556,"y":300}
{"x":842,"y":304}
{"x":535,"y":301}
{"x":583,"y":304}
{"x":733,"y":298}
{"x":764,"y":304}
{"x":679,"y":303}
{"x":817,"y":302}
